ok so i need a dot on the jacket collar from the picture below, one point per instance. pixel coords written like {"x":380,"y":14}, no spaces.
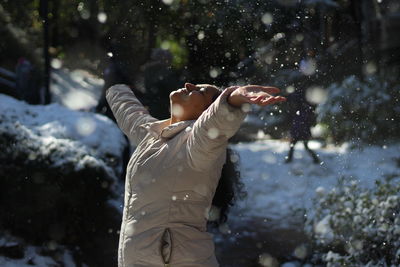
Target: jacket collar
{"x":162,"y":128}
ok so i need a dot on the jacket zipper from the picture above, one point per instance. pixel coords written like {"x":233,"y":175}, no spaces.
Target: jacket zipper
{"x":166,"y":243}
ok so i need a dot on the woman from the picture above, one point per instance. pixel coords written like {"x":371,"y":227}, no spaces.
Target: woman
{"x":173,"y":174}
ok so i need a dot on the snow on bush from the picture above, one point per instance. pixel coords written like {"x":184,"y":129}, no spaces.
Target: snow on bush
{"x":16,"y":252}
{"x":361,"y":110}
{"x":61,"y":137}
{"x":352,"y":226}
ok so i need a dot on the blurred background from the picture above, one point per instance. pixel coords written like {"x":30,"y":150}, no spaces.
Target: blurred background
{"x":62,"y":157}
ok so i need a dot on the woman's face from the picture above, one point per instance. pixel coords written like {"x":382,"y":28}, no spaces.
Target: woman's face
{"x":188,"y":103}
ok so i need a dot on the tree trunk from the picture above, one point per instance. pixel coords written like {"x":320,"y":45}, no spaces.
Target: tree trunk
{"x":46,"y":44}
{"x":356,"y":11}
{"x":55,"y":37}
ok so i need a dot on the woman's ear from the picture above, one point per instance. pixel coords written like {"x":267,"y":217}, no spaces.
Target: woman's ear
{"x":190,"y":86}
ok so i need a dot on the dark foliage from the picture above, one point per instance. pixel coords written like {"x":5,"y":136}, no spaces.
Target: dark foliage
{"x":229,"y":188}
{"x":57,"y":204}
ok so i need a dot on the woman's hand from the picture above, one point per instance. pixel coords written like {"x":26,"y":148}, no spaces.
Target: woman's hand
{"x":254,"y":94}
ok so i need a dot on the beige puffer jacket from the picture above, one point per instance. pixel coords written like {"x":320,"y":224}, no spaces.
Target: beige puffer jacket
{"x":170,"y":182}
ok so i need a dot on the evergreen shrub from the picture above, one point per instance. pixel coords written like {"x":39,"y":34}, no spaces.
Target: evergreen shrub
{"x":357,"y":110}
{"x":352,"y":226}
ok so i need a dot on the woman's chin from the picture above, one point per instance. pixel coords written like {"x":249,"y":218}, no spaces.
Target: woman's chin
{"x":173,"y":94}
{"x":174,"y":97}
{"x":178,"y":97}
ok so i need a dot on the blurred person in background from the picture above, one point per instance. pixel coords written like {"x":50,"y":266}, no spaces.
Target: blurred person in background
{"x":302,"y":118}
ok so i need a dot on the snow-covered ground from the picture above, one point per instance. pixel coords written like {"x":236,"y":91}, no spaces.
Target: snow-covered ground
{"x":269,"y":223}
{"x":275,"y":189}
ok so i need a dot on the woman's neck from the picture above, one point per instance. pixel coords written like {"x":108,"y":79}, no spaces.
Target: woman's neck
{"x":173,"y":120}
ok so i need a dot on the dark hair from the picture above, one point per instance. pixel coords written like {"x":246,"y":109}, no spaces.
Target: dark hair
{"x":220,"y":90}
{"x":229,"y":188}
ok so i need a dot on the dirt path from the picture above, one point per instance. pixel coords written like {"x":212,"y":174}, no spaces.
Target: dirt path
{"x":255,"y":237}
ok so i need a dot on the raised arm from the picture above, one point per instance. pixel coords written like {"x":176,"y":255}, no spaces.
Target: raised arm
{"x":212,"y":130}
{"x":222,"y":120}
{"x":128,"y":111}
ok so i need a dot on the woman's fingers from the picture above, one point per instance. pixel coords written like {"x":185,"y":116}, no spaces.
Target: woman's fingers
{"x":264,"y":100}
{"x":272,"y":100}
{"x":267,"y":89}
{"x":256,"y":99}
{"x":271,"y":90}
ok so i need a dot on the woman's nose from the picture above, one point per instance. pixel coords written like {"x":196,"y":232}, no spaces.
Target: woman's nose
{"x":190,"y":86}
